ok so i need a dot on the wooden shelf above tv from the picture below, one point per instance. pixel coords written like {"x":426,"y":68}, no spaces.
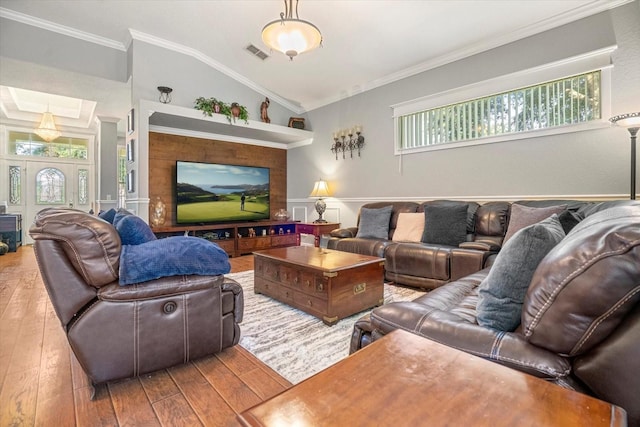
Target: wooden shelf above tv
{"x":176,"y":120}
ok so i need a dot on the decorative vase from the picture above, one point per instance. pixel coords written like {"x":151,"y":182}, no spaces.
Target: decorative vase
{"x":158,"y":214}
{"x":281,"y":215}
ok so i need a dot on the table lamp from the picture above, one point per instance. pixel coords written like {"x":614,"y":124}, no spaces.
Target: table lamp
{"x":320,"y":190}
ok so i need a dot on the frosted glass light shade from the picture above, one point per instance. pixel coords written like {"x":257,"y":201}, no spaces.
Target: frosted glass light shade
{"x":291,"y":36}
{"x":47,"y":129}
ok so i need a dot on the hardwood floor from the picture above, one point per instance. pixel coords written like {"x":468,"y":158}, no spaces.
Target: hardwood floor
{"x":43,"y":385}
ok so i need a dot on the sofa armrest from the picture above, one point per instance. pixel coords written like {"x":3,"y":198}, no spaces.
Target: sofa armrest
{"x":481,"y":245}
{"x":344,"y":232}
{"x":467,"y":261}
{"x":165,"y":286}
{"x":230,"y":285}
{"x":507,"y":348}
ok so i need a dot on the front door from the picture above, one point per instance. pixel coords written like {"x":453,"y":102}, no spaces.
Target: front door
{"x":54,"y":184}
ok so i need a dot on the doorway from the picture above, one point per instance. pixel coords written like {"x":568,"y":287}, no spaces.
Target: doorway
{"x":55,"y":185}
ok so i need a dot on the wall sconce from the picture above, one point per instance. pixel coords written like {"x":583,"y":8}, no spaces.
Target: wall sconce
{"x":348,"y":140}
{"x":165,"y":94}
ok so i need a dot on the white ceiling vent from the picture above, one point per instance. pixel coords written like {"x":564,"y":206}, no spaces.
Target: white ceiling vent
{"x":257,"y":52}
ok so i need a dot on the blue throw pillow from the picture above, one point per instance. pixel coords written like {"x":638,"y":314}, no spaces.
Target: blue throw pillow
{"x":108,"y":216}
{"x":120,"y":213}
{"x":172,"y":256}
{"x":501,"y":294}
{"x":374,"y":223}
{"x":134,"y":231}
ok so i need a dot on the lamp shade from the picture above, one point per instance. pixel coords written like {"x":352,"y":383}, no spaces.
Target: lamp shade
{"x":628,"y":120}
{"x":47,"y":129}
{"x":320,"y":189}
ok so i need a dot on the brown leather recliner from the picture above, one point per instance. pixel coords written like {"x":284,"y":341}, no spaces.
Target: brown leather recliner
{"x":124,"y":331}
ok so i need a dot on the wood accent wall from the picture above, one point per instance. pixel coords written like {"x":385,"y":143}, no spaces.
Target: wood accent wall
{"x":165,"y":149}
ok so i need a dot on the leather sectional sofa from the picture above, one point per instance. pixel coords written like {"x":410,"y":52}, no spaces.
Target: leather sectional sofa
{"x":429,"y":265}
{"x":580,"y":320}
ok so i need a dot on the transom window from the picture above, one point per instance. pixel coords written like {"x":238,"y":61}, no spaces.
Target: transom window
{"x":570,"y":100}
{"x":30,"y":144}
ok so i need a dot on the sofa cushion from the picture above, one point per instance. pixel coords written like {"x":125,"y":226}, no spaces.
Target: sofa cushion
{"x":445,"y":224}
{"x":587,"y":284}
{"x":410,"y":227}
{"x":502,"y":292}
{"x":134,"y":231}
{"x":172,"y":256}
{"x":523,"y":216}
{"x":374,"y":223}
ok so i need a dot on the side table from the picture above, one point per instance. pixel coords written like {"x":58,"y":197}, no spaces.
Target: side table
{"x":407,"y":380}
{"x":315,"y":229}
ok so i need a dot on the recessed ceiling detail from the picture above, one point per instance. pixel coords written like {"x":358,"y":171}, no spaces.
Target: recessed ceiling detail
{"x":28,"y":105}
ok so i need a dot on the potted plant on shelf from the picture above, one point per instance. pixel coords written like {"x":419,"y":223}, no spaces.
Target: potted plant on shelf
{"x":210,"y":106}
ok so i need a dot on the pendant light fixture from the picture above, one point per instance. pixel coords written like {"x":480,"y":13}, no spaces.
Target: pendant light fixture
{"x":47,"y":128}
{"x":289,"y":35}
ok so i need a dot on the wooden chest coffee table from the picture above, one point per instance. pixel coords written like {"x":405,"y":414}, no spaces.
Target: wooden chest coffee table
{"x":325,"y":283}
{"x":406,"y":380}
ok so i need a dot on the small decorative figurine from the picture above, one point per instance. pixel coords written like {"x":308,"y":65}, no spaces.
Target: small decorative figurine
{"x":263,"y":111}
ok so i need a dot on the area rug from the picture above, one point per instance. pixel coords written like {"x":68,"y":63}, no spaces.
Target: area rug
{"x":292,"y":342}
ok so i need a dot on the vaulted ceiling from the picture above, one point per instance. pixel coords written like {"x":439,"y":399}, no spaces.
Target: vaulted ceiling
{"x":366,"y":43}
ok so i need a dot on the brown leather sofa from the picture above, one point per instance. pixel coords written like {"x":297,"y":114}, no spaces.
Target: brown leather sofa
{"x":123,"y":331}
{"x":580,"y":321}
{"x":428,"y":265}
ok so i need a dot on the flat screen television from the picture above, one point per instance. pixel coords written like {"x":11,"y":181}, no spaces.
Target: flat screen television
{"x":213,"y":193}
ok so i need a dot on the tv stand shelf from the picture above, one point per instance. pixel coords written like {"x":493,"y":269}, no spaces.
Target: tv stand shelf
{"x":238,"y":238}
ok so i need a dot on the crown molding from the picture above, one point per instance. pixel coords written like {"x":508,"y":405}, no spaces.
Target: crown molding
{"x":60,"y":29}
{"x":185,"y":50}
{"x":521,"y":33}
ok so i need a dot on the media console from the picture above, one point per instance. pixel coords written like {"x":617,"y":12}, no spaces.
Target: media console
{"x":238,"y":238}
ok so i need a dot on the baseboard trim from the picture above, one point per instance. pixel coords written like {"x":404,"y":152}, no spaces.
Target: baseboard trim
{"x":479,"y":199}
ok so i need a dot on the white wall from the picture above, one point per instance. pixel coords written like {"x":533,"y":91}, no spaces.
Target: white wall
{"x":578,"y":165}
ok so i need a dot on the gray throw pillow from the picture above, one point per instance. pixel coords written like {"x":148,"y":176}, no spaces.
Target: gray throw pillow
{"x":522,"y":216}
{"x":501,"y":294}
{"x":445,"y":224}
{"x":374,"y":223}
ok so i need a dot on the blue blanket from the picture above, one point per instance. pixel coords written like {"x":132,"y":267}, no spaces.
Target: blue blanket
{"x":172,"y":256}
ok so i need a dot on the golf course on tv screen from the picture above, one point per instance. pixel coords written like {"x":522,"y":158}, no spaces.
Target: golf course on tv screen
{"x":212,"y":193}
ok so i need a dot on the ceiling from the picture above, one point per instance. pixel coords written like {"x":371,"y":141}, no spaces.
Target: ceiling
{"x":366,"y":43}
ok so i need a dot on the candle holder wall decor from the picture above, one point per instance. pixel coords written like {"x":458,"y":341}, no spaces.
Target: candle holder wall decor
{"x":348,"y":140}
